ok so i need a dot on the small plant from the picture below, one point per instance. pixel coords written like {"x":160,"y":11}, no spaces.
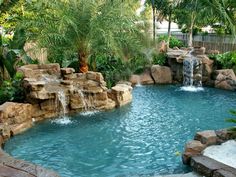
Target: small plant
{"x":159,"y":59}
{"x":232,"y":120}
{"x":174,"y":42}
{"x":12,"y":90}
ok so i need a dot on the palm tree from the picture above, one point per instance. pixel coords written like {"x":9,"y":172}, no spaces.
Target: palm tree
{"x":76,"y":29}
{"x":202,"y":12}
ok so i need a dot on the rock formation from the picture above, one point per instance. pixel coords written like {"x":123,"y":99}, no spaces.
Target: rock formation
{"x":82,"y":91}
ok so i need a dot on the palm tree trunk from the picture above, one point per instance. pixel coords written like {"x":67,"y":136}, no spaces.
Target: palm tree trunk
{"x":169,"y":32}
{"x":83,"y":65}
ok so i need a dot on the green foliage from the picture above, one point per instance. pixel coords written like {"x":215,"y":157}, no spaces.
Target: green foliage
{"x":113,"y":68}
{"x":138,"y":63}
{"x":232,"y":120}
{"x":174,"y":42}
{"x":159,"y":59}
{"x":227,"y":60}
{"x":69,"y":29}
{"x":12,"y":90}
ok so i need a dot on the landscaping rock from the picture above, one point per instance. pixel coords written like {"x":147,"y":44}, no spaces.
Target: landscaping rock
{"x":192,"y":148}
{"x":15,"y":113}
{"x":144,"y":79}
{"x":207,"y":137}
{"x":225,"y":79}
{"x":161,"y":74}
{"x":66,"y":71}
{"x":121,"y":94}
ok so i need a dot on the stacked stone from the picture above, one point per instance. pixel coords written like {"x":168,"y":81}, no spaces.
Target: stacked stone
{"x":83,"y":91}
{"x":193,"y":154}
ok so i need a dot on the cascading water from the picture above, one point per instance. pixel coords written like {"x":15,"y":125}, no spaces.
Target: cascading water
{"x":62,"y":102}
{"x":192,"y":73}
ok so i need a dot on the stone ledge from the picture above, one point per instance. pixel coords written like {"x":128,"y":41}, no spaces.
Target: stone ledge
{"x":18,"y":168}
{"x":211,"y":168}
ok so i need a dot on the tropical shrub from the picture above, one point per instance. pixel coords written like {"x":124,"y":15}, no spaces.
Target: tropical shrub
{"x":232,"y":120}
{"x":174,"y":42}
{"x":12,"y":90}
{"x":159,"y":59}
{"x":112,"y":67}
{"x":227,"y":60}
{"x":138,"y":63}
{"x":76,"y":29}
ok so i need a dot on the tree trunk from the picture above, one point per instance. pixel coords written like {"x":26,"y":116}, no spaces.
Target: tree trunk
{"x":83,"y":65}
{"x":169,"y":32}
{"x":190,"y":41}
{"x":154,"y":21}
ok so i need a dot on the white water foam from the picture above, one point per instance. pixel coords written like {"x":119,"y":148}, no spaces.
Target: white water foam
{"x":224,"y":153}
{"x":191,"y":89}
{"x":62,"y":121}
{"x":89,"y":113}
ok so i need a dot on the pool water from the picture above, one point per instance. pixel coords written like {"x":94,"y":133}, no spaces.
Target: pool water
{"x":143,"y":138}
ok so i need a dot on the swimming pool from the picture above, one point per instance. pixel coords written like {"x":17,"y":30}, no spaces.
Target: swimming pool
{"x":143,"y":138}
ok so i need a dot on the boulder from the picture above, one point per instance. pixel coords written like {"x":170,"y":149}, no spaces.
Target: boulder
{"x":144,"y":78}
{"x":161,"y":74}
{"x":121,"y":94}
{"x":15,"y":113}
{"x":225,"y":79}
{"x":192,"y":148}
{"x":207,"y":137}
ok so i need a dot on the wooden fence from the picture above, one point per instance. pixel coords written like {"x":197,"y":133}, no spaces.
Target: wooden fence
{"x":210,"y":42}
{"x":35,"y":53}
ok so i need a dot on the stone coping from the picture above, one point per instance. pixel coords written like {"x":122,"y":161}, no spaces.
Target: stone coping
{"x":193,"y":153}
{"x":11,"y":167}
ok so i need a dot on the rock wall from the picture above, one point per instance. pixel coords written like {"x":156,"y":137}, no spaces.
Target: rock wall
{"x":176,"y":58}
{"x":44,"y":85}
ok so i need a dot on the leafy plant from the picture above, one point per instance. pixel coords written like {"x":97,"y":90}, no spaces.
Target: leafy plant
{"x":174,"y":42}
{"x":227,"y":60}
{"x":232,"y":120}
{"x":159,"y":59}
{"x":82,"y":28}
{"x":12,"y":90}
{"x":112,"y":67}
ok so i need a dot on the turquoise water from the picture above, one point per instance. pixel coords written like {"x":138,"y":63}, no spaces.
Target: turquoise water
{"x":143,"y":138}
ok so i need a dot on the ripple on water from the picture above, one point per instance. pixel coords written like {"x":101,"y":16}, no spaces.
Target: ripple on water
{"x":144,"y":137}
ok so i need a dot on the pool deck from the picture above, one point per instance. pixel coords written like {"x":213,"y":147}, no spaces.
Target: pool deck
{"x":10,"y":167}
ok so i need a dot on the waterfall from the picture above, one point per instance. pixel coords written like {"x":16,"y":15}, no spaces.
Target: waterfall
{"x":85,"y":105}
{"x":62,"y":102}
{"x":192,"y":73}
{"x":138,"y":82}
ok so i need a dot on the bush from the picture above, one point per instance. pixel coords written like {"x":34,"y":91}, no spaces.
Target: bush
{"x":174,"y":42}
{"x":112,"y":68}
{"x":138,"y":63}
{"x":159,"y":59}
{"x":12,"y":90}
{"x":227,"y":60}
